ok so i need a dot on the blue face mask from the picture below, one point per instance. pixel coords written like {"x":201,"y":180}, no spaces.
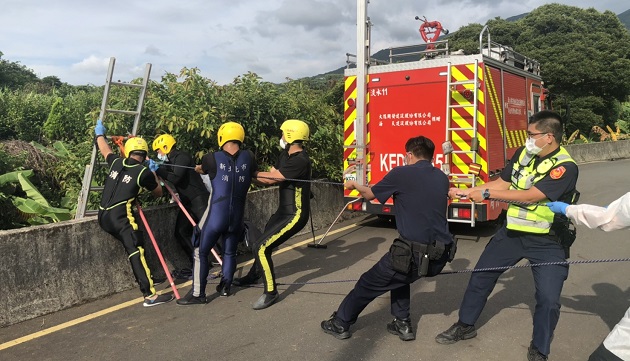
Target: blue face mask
{"x":163,"y":157}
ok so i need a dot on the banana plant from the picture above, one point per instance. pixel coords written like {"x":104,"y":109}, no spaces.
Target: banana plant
{"x":34,"y":206}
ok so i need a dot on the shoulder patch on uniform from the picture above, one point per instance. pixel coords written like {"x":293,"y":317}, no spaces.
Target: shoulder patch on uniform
{"x":557,"y":173}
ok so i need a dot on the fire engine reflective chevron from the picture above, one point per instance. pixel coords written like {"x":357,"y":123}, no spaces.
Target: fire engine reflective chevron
{"x":532,"y":219}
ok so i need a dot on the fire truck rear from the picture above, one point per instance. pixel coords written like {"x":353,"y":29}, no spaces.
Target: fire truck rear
{"x":474,"y":107}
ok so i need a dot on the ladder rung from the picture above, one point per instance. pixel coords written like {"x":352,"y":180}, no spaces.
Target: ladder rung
{"x":462,"y":82}
{"x":128,"y":112}
{"x":449,"y":129}
{"x":461,"y":106}
{"x":463,"y":151}
{"x":461,"y":175}
{"x":90,"y":212}
{"x":97,"y":188}
{"x":131,"y":85}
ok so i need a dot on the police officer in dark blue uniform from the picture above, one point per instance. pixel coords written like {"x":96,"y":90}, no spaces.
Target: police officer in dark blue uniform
{"x":540,"y":172}
{"x":190,"y":188}
{"x":293,"y":207}
{"x":230,"y":171}
{"x":116,"y":215}
{"x":422,"y":249}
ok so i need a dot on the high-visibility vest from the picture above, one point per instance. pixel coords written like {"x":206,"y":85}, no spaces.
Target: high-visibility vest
{"x":533,"y":218}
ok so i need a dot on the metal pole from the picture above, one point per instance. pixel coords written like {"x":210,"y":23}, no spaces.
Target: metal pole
{"x":363,"y":57}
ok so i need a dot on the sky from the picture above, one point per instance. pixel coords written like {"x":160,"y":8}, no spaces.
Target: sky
{"x":276,"y":39}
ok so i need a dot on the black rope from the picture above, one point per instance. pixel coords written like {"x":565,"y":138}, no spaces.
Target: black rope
{"x":487,"y":269}
{"x":274,"y":178}
{"x":302,"y":180}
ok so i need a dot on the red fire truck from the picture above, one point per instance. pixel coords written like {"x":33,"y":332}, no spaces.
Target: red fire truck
{"x":475,"y":108}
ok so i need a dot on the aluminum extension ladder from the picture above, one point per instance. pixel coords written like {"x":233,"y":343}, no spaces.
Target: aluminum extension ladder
{"x":452,"y":127}
{"x":88,"y":185}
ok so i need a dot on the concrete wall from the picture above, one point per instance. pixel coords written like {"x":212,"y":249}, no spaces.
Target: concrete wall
{"x":48,"y":268}
{"x":590,"y":152}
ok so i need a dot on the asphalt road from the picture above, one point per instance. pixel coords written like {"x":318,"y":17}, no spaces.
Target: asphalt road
{"x":594,"y":298}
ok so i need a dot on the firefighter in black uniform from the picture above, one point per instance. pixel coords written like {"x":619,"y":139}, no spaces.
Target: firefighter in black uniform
{"x":190,"y":189}
{"x":422,"y":249}
{"x":116,"y":214}
{"x":541,"y":171}
{"x":293,"y":207}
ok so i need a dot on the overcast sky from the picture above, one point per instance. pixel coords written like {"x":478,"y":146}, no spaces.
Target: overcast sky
{"x":74,"y":39}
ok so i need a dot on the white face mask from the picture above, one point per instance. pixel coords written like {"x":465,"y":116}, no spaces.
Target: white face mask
{"x":283,"y":144}
{"x":531,"y":147}
{"x":163,"y":157}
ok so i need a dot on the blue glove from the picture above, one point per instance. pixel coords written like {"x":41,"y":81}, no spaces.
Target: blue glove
{"x":100,"y":128}
{"x":153,"y":166}
{"x":558,"y":207}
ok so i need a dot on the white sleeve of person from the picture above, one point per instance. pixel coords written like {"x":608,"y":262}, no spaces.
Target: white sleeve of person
{"x":618,"y":340}
{"x":207,"y":182}
{"x":615,"y":216}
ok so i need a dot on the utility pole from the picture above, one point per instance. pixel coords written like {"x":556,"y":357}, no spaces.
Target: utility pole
{"x":363,"y":60}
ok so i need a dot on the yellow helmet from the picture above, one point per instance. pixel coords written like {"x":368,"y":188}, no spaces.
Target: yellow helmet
{"x":164,"y":142}
{"x":230,"y":131}
{"x":294,"y":130}
{"x":135,"y":144}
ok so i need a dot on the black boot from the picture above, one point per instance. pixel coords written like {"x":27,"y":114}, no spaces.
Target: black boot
{"x":534,"y":355}
{"x":189,"y":299}
{"x":456,"y":333}
{"x":402,"y":328}
{"x":223,"y":288}
{"x":332,"y":327}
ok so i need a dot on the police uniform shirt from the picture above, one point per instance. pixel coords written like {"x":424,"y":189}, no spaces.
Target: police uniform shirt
{"x":559,"y":180}
{"x":188,"y":183}
{"x":420,"y":194}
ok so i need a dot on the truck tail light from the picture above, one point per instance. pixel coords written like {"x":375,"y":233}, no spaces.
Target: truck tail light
{"x":355,"y":206}
{"x":461,"y":212}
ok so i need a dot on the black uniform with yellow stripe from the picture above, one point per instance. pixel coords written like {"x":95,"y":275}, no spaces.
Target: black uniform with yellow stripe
{"x":290,"y":217}
{"x":117,"y":217}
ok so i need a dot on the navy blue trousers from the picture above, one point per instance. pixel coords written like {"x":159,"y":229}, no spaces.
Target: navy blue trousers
{"x":378,"y":280}
{"x":507,"y":248}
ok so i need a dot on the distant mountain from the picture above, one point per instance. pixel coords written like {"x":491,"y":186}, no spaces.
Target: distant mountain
{"x":383,"y":55}
{"x":625,"y":18}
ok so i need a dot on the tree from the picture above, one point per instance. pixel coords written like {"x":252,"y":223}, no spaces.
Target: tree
{"x":13,"y":75}
{"x":52,"y":81}
{"x":584,"y":57}
{"x":583,"y":53}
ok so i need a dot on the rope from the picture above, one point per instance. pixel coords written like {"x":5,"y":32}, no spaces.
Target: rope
{"x":487,"y":269}
{"x":529,"y":265}
{"x":303,"y":180}
{"x":275,"y":178}
{"x":518,"y":202}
